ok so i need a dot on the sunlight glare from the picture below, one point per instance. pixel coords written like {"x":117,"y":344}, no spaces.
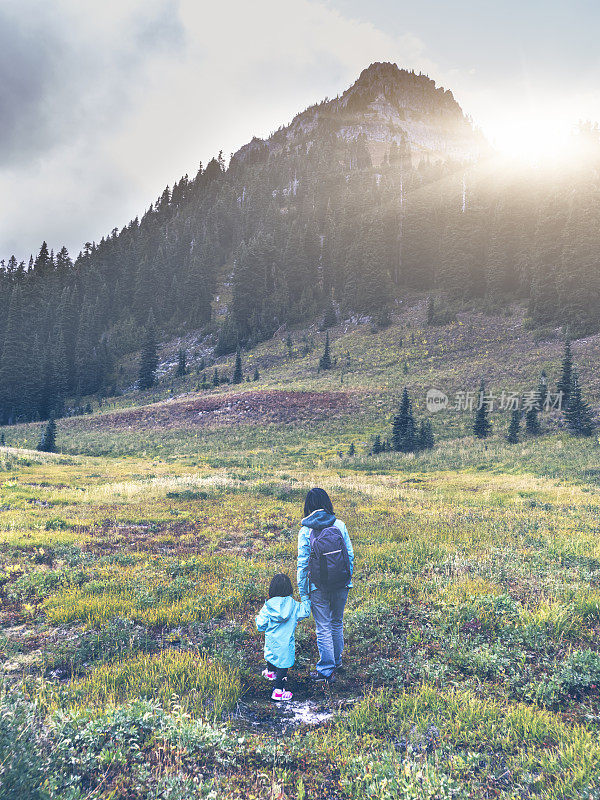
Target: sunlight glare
{"x":534,"y":140}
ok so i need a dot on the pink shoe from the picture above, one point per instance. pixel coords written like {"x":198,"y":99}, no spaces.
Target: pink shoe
{"x":281,"y":694}
{"x":266,"y":673}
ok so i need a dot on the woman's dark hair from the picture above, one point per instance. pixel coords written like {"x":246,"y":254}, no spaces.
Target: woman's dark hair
{"x":315,"y":499}
{"x":281,"y":586}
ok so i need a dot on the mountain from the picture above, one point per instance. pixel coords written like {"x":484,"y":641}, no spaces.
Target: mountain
{"x":386,"y":106}
{"x":359,"y":200}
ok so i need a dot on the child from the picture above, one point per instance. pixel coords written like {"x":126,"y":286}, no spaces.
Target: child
{"x":278,"y":619}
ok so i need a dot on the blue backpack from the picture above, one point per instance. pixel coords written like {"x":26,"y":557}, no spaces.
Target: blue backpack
{"x":328,"y":563}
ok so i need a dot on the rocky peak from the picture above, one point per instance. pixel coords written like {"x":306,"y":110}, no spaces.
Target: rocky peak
{"x":401,"y":88}
{"x":386,"y":105}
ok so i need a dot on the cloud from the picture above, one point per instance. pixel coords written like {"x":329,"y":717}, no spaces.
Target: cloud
{"x":65,"y":71}
{"x":26,"y":78}
{"x":106,"y":102}
{"x":72,"y":75}
{"x":247,"y":69}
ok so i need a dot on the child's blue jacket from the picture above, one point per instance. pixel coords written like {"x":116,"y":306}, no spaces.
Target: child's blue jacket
{"x":278,"y":619}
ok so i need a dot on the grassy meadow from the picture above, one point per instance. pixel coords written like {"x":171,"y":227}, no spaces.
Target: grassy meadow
{"x":133,"y":563}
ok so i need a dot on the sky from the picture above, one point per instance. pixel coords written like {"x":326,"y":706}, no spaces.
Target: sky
{"x":104,"y":103}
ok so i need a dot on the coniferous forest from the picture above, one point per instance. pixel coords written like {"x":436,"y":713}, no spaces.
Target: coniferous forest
{"x":290,"y":226}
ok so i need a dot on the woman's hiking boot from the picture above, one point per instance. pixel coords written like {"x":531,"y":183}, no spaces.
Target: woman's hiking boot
{"x":318,"y":677}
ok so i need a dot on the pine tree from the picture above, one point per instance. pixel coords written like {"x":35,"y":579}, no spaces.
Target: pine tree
{"x":532,"y":423}
{"x":430,"y":310}
{"x":403,"y":428}
{"x":577,"y":414}
{"x":63,"y":263}
{"x":256,"y":374}
{"x":543,"y":390}
{"x":325,"y":360}
{"x":33,"y":385}
{"x":351,"y":449}
{"x":546,"y":256}
{"x":12,"y":361}
{"x":68,"y":322}
{"x":455,"y":271}
{"x":382,"y":318}
{"x":481,"y":424}
{"x":43,"y":262}
{"x":48,"y":439}
{"x":198,"y":287}
{"x":228,"y":337}
{"x":253,"y":304}
{"x":181,"y":363}
{"x":515,"y":425}
{"x":148,"y":357}
{"x":237,"y":372}
{"x":89,"y":367}
{"x":329,"y":317}
{"x":60,"y":367}
{"x":372,"y":279}
{"x":426,"y":440}
{"x":564,"y":384}
{"x":377,"y":446}
{"x":216,"y":379}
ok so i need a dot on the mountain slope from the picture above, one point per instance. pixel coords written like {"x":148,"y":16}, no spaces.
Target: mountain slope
{"x":359,"y":200}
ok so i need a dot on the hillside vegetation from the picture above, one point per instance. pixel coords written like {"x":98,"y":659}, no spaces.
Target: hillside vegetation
{"x":360,"y":200}
{"x":351,"y":402}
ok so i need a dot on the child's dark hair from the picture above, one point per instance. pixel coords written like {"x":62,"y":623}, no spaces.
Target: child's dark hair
{"x":281,"y":586}
{"x":315,"y":499}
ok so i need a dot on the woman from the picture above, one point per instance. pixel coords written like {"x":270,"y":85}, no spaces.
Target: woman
{"x":327,"y":604}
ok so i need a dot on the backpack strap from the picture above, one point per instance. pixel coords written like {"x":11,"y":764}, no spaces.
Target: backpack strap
{"x":311,"y":541}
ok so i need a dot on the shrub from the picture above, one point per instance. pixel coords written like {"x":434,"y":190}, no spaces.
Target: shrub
{"x":23,"y":756}
{"x":91,"y":747}
{"x":405,"y":670}
{"x":34,"y":585}
{"x":86,"y":745}
{"x":577,"y":675}
{"x":58,"y":524}
{"x":493,"y":661}
{"x":491,"y":613}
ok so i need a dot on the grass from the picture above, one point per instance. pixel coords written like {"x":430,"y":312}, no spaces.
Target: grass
{"x":540,"y":755}
{"x":132,"y":567}
{"x":151,"y":597}
{"x":171,"y":677}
